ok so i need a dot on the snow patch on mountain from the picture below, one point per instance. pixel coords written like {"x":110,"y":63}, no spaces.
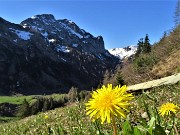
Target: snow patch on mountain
{"x":22,"y":34}
{"x":75,"y":33}
{"x":52,"y":40}
{"x":61,"y":48}
{"x":123,"y":52}
{"x":75,"y":45}
{"x":71,"y":30}
{"x":33,"y":17}
{"x":70,"y":21}
{"x":45,"y":34}
{"x":15,"y":40}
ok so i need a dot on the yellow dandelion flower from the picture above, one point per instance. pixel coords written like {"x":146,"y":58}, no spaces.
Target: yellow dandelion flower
{"x":168,"y":108}
{"x":108,"y":102}
{"x":46,"y":116}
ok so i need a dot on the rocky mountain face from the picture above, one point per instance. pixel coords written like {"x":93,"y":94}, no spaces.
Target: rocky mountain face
{"x":64,"y":33}
{"x":122,"y":53}
{"x":43,"y":55}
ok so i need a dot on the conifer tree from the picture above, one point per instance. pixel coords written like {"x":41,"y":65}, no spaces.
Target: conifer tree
{"x":146,"y":45}
{"x":119,"y":79}
{"x":143,"y":46}
{"x":139,"y":47}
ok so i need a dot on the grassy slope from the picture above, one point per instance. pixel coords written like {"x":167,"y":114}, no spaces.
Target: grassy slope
{"x":72,"y":120}
{"x":167,"y":50}
{"x":171,"y":65}
{"x":15,"y":99}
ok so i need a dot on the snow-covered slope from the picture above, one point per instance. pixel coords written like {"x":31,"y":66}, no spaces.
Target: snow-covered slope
{"x":123,"y":52}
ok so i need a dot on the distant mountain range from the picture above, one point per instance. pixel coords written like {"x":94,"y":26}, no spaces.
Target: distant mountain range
{"x":122,"y":53}
{"x":42,"y":55}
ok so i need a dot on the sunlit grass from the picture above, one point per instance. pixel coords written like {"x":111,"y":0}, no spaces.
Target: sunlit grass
{"x":30,"y":99}
{"x":72,"y":119}
{"x":15,"y":99}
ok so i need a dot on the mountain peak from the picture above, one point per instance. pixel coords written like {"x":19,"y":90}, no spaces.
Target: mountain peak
{"x":44,"y":16}
{"x":123,"y":52}
{"x":65,"y":32}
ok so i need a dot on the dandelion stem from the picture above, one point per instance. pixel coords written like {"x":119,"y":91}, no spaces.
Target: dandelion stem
{"x":114,"y":125}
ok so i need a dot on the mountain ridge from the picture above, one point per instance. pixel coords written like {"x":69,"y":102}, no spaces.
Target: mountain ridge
{"x":49,"y":27}
{"x":44,"y":56}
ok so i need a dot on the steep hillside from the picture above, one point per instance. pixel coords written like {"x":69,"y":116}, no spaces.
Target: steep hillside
{"x":43,"y":55}
{"x":168,"y":66}
{"x":162,"y":61}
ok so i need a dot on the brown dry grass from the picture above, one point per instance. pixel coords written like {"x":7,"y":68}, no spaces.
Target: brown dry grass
{"x":169,"y":66}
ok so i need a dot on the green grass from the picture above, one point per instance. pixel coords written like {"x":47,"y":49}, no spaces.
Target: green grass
{"x":30,"y":99}
{"x":72,"y":119}
{"x":18,"y":100}
{"x":8,"y":119}
{"x":15,"y":99}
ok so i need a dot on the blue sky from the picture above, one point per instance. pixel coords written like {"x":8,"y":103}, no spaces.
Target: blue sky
{"x":120,"y":22}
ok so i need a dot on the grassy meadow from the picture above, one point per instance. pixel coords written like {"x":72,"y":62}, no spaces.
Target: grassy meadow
{"x":72,"y":119}
{"x":19,"y":99}
{"x":13,"y":108}
{"x":15,"y":99}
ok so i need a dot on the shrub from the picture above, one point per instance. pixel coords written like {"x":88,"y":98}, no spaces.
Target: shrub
{"x":84,"y":95}
{"x":24,"y":109}
{"x":72,"y":94}
{"x":144,"y":63}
